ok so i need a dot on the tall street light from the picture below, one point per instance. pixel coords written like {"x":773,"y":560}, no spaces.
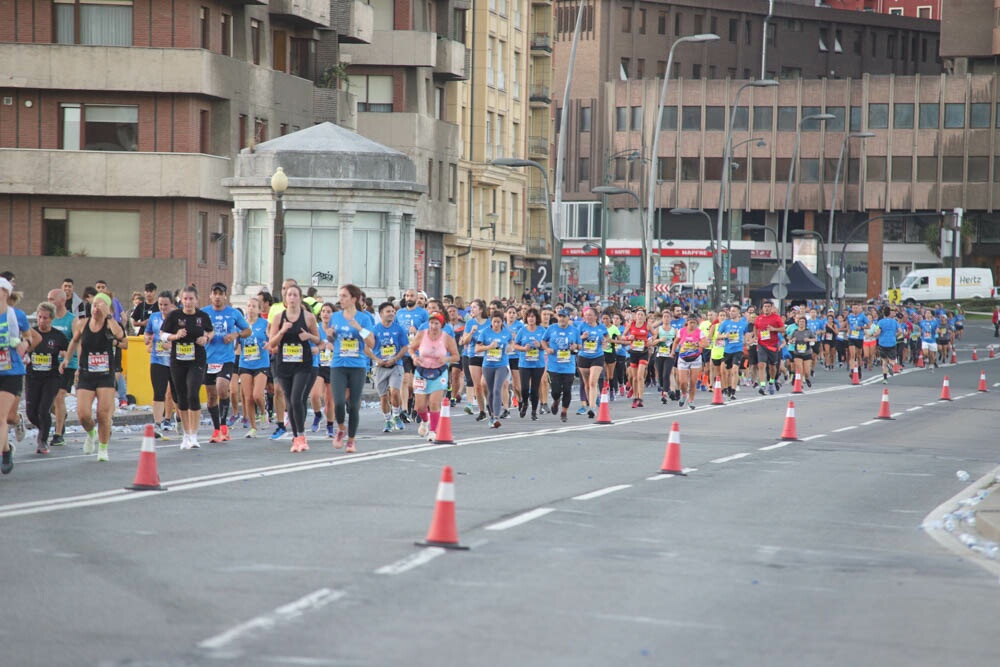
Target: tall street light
{"x":556,"y":242}
{"x":729,"y":206}
{"x":819,"y":253}
{"x":728,"y":154}
{"x":615,"y":190}
{"x":279,"y":184}
{"x":654,"y":153}
{"x":777,"y":250}
{"x":833,"y":205}
{"x":791,"y":179}
{"x":716,"y":251}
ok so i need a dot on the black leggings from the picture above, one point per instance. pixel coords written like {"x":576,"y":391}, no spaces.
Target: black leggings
{"x":159,"y":376}
{"x":531,"y":383}
{"x":663,"y":366}
{"x":296,"y":387}
{"x":185,"y":382}
{"x":561,"y":384}
{"x":39,"y":393}
{"x":342,"y":379}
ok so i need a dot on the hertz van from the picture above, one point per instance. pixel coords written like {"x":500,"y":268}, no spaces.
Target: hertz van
{"x":935,"y":285}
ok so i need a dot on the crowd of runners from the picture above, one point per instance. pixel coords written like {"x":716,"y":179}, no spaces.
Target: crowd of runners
{"x":265,"y":365}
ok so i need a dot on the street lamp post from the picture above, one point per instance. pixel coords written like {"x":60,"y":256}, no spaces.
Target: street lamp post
{"x":716,"y":249}
{"x":279,"y":184}
{"x":819,"y":237}
{"x":654,"y":153}
{"x":765,"y":228}
{"x":556,"y":242}
{"x":608,"y":190}
{"x":833,"y":204}
{"x":791,"y":177}
{"x":728,"y":154}
{"x":729,"y":206}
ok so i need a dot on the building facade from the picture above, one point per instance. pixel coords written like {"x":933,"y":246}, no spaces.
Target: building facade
{"x":921,"y":9}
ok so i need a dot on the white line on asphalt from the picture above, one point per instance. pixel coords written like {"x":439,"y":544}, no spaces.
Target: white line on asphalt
{"x":814,"y":437}
{"x":996,"y":384}
{"x":727,"y":459}
{"x":957,"y":398}
{"x":870,"y":422}
{"x":283,"y":614}
{"x":914,"y":408}
{"x":521,"y":518}
{"x":601,"y":492}
{"x":896,"y":414}
{"x":776,"y":445}
{"x":667,"y":475}
{"x":846,"y":428}
{"x":412,"y":561}
{"x":931,"y":404}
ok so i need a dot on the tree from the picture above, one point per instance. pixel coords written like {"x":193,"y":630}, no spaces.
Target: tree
{"x":967,"y":234}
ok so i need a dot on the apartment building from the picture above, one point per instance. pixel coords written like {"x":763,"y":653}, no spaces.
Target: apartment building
{"x":921,"y":9}
{"x":120,"y":119}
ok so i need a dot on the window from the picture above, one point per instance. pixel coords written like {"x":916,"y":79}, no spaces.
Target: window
{"x":661,"y":24}
{"x":896,"y":11}
{"x":715,"y":118}
{"x":890,"y":46}
{"x":667,"y":169}
{"x":430,"y":178}
{"x":838,"y":122}
{"x":781,"y":169}
{"x":856,"y":119}
{"x":584,"y":169}
{"x":642,"y":21}
{"x":621,"y":119}
{"x":201,"y":238}
{"x":206,"y":28}
{"x":699,"y":24}
{"x":515,"y":78}
{"x":452,"y":182}
{"x":255,"y":41}
{"x":95,"y":22}
{"x":811,"y":125}
{"x":924,"y":12}
{"x":94,"y":127}
{"x":585,"y":119}
{"x":788,"y":72}
{"x":978,"y":169}
{"x":636,"y":119}
{"x":621,"y":168}
{"x":696,"y":71}
{"x":713,"y":168}
{"x":979,"y":115}
{"x":279,"y":50}
{"x":902,"y":169}
{"x":760,"y":169}
{"x":927,"y":169}
{"x":677,"y":23}
{"x":838,"y":40}
{"x":809,"y":170}
{"x":204,"y":132}
{"x":713,"y":25}
{"x":988,"y":231}
{"x":640,"y":68}
{"x":951,"y":169}
{"x":223,"y":240}
{"x":748,"y":31}
{"x":242,"y":138}
{"x":878,"y":116}
{"x":824,"y":39}
{"x":489,"y":62}
{"x":954,"y":116}
{"x":624,"y":67}
{"x":741,"y":118}
{"x":669,"y":119}
{"x":690,"y":118}
{"x":374,"y":92}
{"x":489,"y":134}
{"x":876,"y":165}
{"x":661,"y":69}
{"x":772,"y":34}
{"x":763,"y":118}
{"x":930,"y":116}
{"x":858,"y":45}
{"x":501,"y":70}
{"x":733,"y":30}
{"x":902,"y":117}
{"x":227,"y":35}
{"x":690,"y":169}
{"x":626,"y":19}
{"x":853,"y":169}
{"x":787,"y":119}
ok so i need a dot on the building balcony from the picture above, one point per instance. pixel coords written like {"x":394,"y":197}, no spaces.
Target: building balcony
{"x":450,"y":60}
{"x":137,"y":70}
{"x":540,"y":94}
{"x":417,"y":135}
{"x":541,"y":41}
{"x":537,"y":198}
{"x":395,"y":48}
{"x":336,"y":106}
{"x":538,"y":146}
{"x":310,"y":12}
{"x":536,"y":245}
{"x":353,"y":20}
{"x":114,"y":174}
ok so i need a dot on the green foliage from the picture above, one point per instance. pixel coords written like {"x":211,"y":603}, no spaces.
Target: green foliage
{"x":333,"y":75}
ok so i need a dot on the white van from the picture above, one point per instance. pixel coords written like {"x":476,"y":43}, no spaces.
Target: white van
{"x":935,"y":285}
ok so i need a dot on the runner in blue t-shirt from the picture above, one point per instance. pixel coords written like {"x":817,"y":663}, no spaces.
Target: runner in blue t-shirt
{"x":561,"y":341}
{"x":888,"y":327}
{"x":411,"y":317}
{"x":220,"y":358}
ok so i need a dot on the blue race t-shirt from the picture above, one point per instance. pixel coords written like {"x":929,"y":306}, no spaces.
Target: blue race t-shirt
{"x":593,"y":342}
{"x":534,"y":356}
{"x":348,"y":345}
{"x":161,"y":350}
{"x":224,"y":322}
{"x":494,"y":357}
{"x":888,"y":327}
{"x":389,"y":340}
{"x":561,"y":359}
{"x":254,"y":355}
{"x":732,"y":331}
{"x":10,"y":360}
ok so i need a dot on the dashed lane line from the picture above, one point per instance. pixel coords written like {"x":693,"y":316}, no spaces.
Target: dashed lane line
{"x":521,"y":518}
{"x":601,"y":492}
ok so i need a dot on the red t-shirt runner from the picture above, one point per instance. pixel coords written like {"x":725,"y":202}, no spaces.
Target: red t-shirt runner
{"x":765,"y":338}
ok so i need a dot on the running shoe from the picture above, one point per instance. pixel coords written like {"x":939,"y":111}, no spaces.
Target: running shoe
{"x":582,"y":410}
{"x":316,"y":419}
{"x":431,"y":436}
{"x":102,"y":453}
{"x":350,"y":448}
{"x":777,"y":386}
{"x":481,"y":417}
{"x":422,"y":429}
{"x":193,"y":442}
{"x":406,"y":418}
{"x":680,"y":403}
{"x":534,"y":416}
{"x":167,"y":425}
{"x":885,"y":379}
{"x":397,"y":423}
{"x":387,"y":428}
{"x":231,"y":422}
{"x":252,"y":433}
{"x":338,"y":439}
{"x":245,"y":423}
{"x":157,"y":433}
{"x":635,"y":402}
{"x":7,"y":463}
{"x":641,"y":405}
{"x":590,"y":414}
{"x":543,"y":409}
{"x":329,"y":429}
{"x":278,"y":432}
{"x":468,"y":409}
{"x":691,"y":405}
{"x":522,"y":410}
{"x":563,"y":417}
{"x":809,"y":382}
{"x":505,"y":414}
{"x":216,"y":437}
{"x":224,"y":430}
{"x":555,"y":406}
{"x":770,"y":388}
{"x":496,"y":423}
{"x":90,"y":443}
{"x":663,"y":397}
{"x":761,"y":390}
{"x":42,"y":448}
{"x":19,"y":428}
{"x":57,"y":441}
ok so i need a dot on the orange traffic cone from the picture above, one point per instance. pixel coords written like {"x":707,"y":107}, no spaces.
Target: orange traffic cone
{"x":992,"y":352}
{"x":896,"y":368}
{"x":920,"y":360}
{"x":717,"y":393}
{"x":443,"y":532}
{"x":945,"y":390}
{"x":604,"y":409}
{"x":146,"y":476}
{"x":855,"y":378}
{"x":442,"y":436}
{"x":982,"y":382}
{"x":975,"y":355}
{"x":789,"y":432}
{"x":954,"y":356}
{"x":672,"y":457}
{"x":883,"y":411}
{"x":797,"y":385}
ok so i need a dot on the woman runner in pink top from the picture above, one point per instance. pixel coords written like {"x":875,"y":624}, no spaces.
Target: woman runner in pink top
{"x":436,"y":350}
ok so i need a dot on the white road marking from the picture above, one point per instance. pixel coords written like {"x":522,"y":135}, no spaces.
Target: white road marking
{"x":915,"y":408}
{"x":601,"y":492}
{"x":283,"y":614}
{"x":932,"y":403}
{"x":727,"y":459}
{"x":412,"y":561}
{"x":814,"y":437}
{"x":957,"y":398}
{"x":870,"y":422}
{"x":521,"y":518}
{"x":910,"y":474}
{"x":896,"y":414}
{"x":846,"y":428}
{"x":777,"y":445}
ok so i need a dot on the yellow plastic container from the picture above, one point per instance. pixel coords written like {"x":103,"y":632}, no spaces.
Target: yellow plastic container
{"x":135,"y":366}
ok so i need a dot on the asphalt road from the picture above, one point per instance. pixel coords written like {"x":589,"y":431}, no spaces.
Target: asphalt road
{"x":766,"y":553}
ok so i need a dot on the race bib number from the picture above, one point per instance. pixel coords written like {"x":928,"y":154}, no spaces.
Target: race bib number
{"x":349,"y":347}
{"x":829,"y":337}
{"x":494,"y":354}
{"x":855,"y":333}
{"x":801,"y":347}
{"x":251,"y":353}
{"x":720,"y":343}
{"x":663,"y":351}
{"x":419,"y":383}
{"x":5,"y":364}
{"x":98,"y":362}
{"x":562,"y":356}
{"x":590,"y":346}
{"x":639,"y":345}
{"x":765,"y":335}
{"x":214,"y":369}
{"x":734,"y":336}
{"x":185,"y":351}
{"x":291,"y":354}
{"x":325,"y":357}
{"x":388,"y":351}
{"x":531,"y":354}
{"x":41,"y":362}
{"x":159,"y":348}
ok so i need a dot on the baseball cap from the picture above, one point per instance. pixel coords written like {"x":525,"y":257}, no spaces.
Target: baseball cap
{"x":219,"y":287}
{"x":437,"y":316}
{"x":563,"y":312}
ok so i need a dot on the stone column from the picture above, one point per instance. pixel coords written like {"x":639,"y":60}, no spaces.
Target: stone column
{"x":393,"y":255}
{"x":239,"y":251}
{"x":409,"y":237}
{"x":344,"y":275}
